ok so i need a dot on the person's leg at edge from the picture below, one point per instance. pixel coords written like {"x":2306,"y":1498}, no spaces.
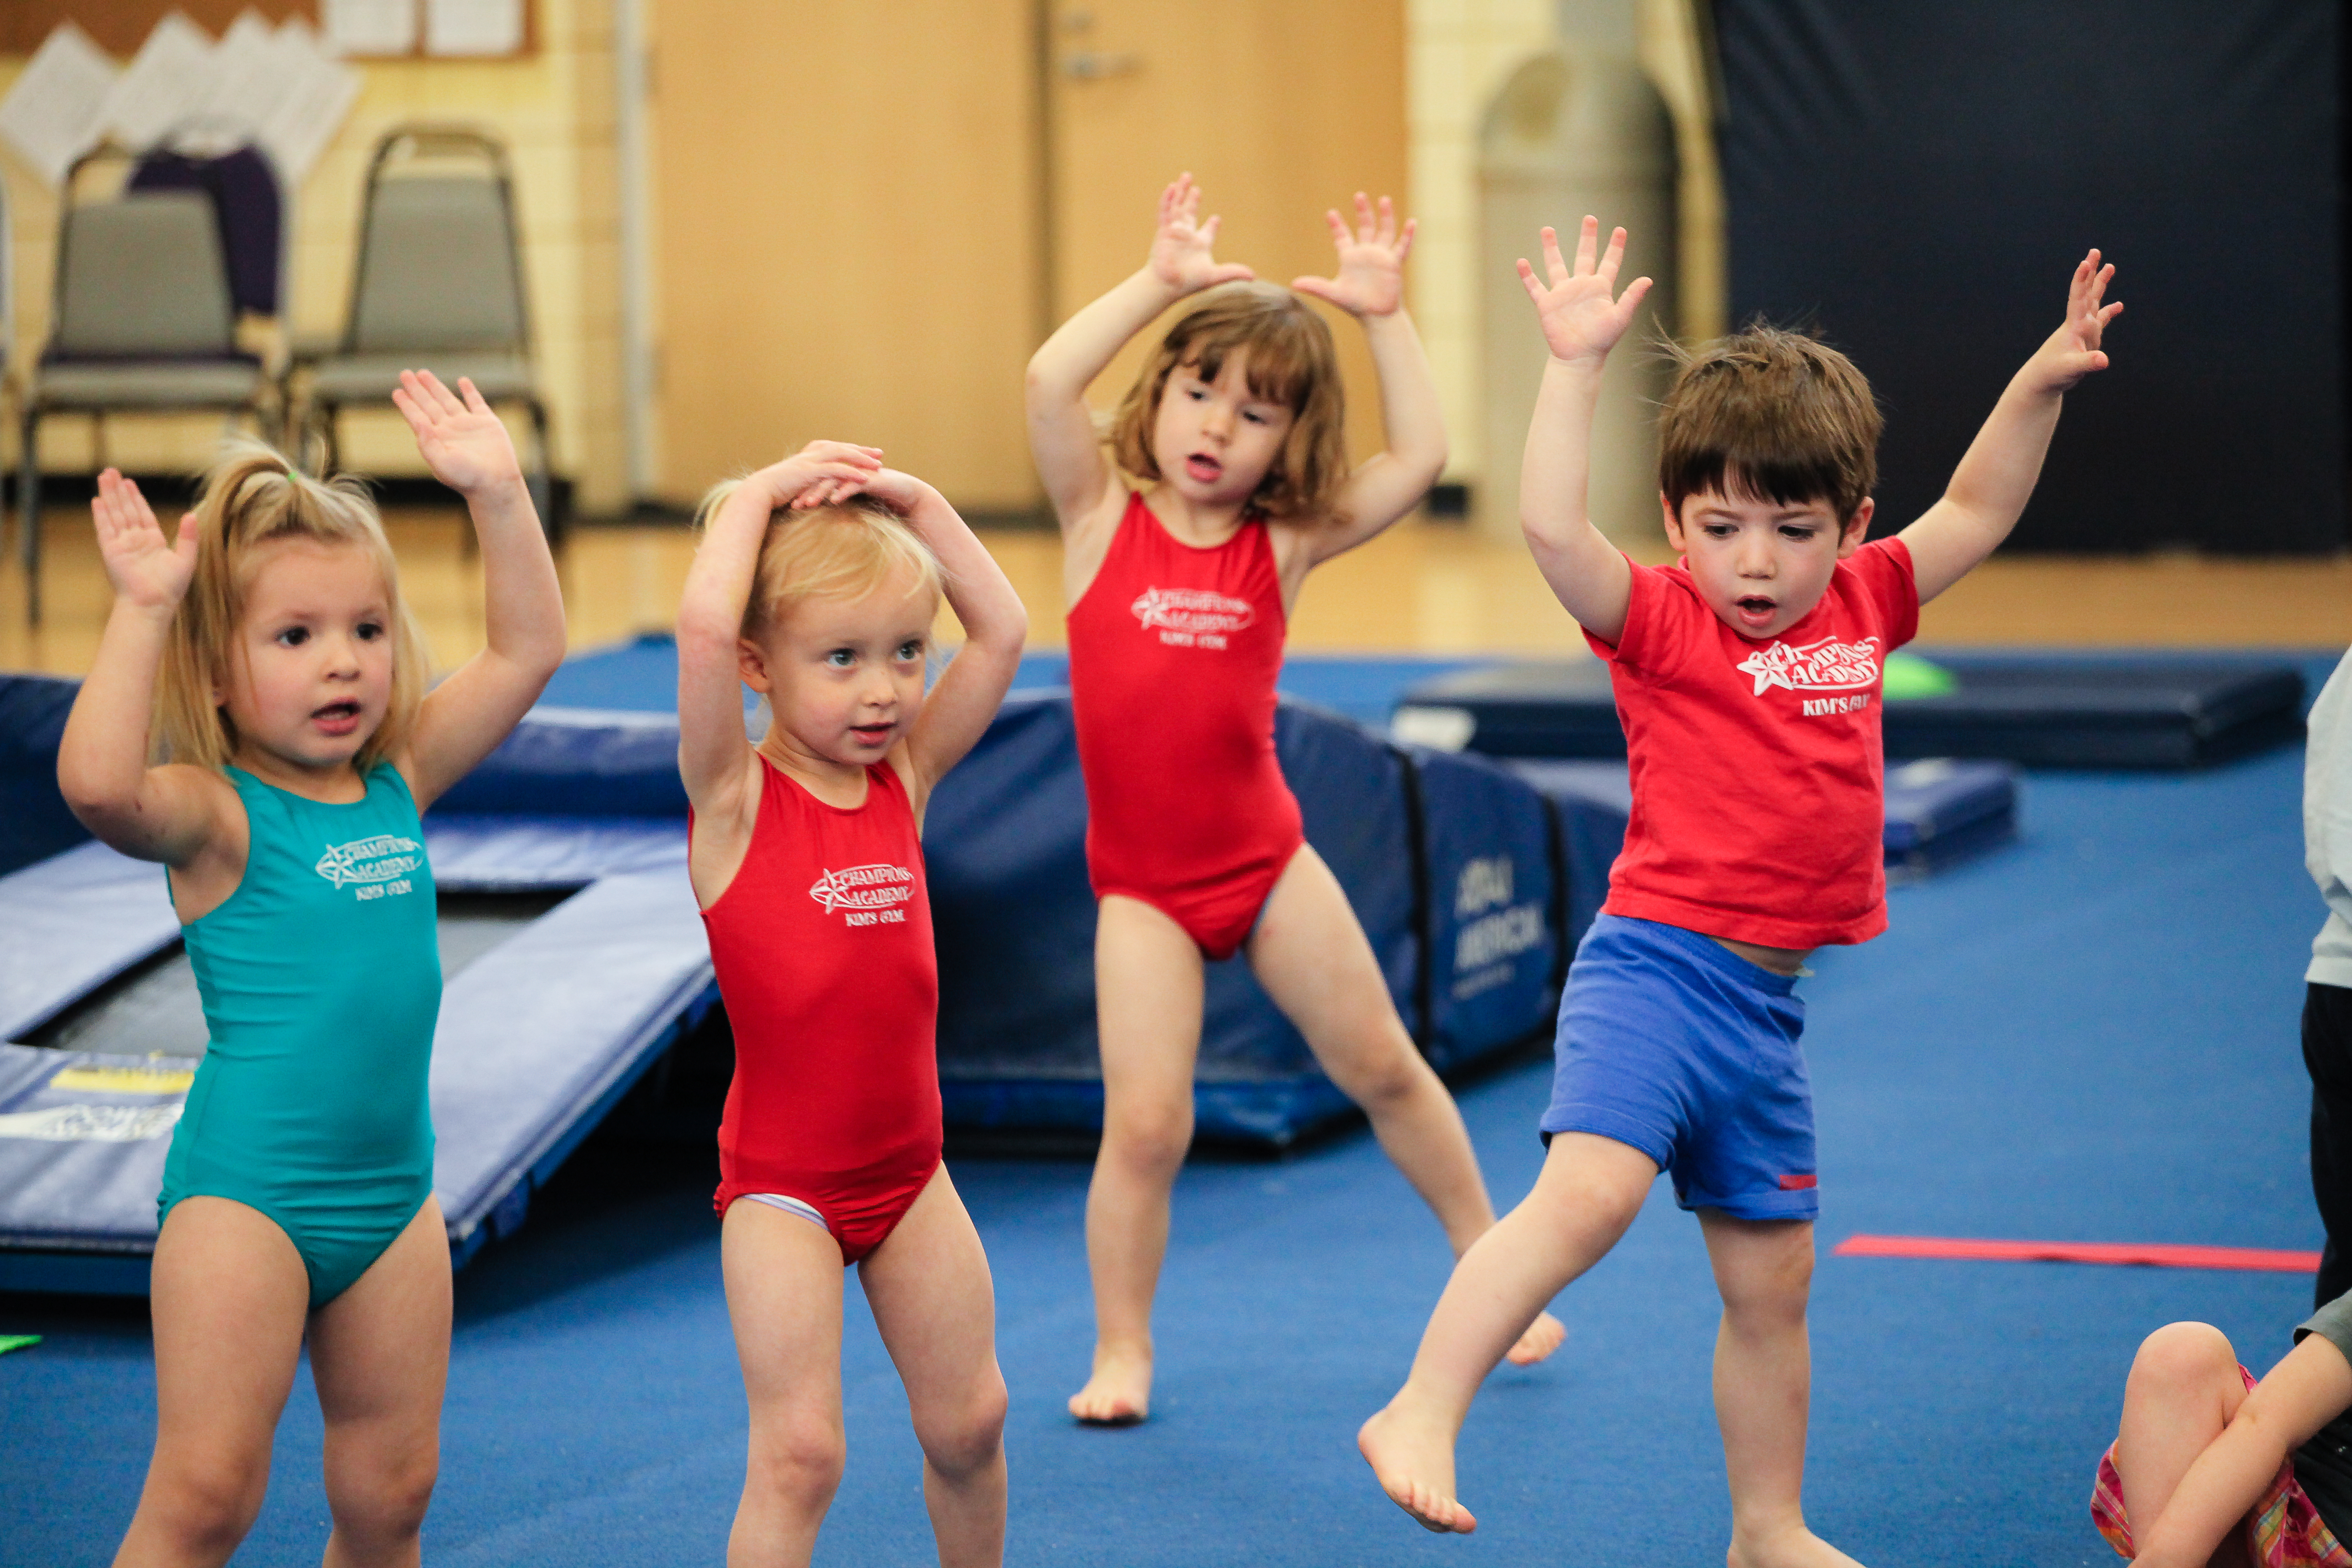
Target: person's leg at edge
{"x":228,"y":1296}
{"x":379,"y":1356}
{"x":783,"y":1297}
{"x":1589,"y":1192}
{"x":2184,"y":1388}
{"x":934,"y":1302}
{"x":1311,"y":954}
{"x":1148,"y":985}
{"x":1763,"y":1386}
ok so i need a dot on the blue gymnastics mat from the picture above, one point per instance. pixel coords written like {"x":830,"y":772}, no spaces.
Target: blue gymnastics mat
{"x":2143,"y":710}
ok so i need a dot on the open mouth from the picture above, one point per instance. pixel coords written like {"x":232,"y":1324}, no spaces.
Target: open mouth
{"x":1204,"y":468}
{"x":337,"y":718}
{"x":873,"y":734}
{"x":1756,"y":608}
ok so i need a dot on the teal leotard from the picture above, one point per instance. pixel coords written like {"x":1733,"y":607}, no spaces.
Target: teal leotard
{"x":321,"y":981}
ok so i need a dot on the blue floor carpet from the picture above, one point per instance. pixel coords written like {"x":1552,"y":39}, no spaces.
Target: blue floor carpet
{"x":2091,"y":1036}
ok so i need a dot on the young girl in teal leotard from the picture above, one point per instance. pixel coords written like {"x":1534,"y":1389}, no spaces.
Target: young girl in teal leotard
{"x":266,"y":650}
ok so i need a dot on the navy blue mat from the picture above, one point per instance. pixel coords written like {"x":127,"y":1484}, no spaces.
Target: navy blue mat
{"x":2092,"y":710}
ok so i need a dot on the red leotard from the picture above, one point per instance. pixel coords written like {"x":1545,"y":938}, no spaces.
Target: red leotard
{"x":1173,"y":655}
{"x":823,"y":947}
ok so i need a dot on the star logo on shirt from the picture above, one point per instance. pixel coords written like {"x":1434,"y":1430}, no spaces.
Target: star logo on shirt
{"x":1828,"y":665}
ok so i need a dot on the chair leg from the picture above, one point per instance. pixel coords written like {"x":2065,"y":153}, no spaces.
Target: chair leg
{"x":543,"y":482}
{"x":28,"y":497}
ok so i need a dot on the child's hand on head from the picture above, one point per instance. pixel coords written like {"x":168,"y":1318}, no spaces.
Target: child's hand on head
{"x":147,"y":569}
{"x":1181,"y":249}
{"x":1370,"y":278}
{"x":2073,"y":352}
{"x":462,"y":442}
{"x":819,"y":474}
{"x":1580,"y":322}
{"x":901,"y":492}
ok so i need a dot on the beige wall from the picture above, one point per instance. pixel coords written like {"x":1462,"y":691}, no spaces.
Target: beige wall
{"x":555,"y":112}
{"x":1457,"y":54}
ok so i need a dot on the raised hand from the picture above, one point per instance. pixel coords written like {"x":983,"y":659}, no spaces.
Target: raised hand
{"x":1580,"y":322}
{"x":1370,"y":278}
{"x":462,"y":442}
{"x":819,"y":474}
{"x":2073,"y":352}
{"x":146,"y":569}
{"x":1181,"y":248}
{"x":901,"y":492}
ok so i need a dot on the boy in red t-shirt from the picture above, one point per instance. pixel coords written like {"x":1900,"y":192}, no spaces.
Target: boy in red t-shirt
{"x":1748,"y":676}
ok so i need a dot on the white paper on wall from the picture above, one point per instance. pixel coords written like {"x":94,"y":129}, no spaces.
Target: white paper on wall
{"x":473,"y":27}
{"x":369,"y":26}
{"x":169,"y":79}
{"x":52,"y":114}
{"x":316,"y":92}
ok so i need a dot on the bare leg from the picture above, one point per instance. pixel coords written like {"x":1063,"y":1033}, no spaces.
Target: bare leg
{"x":1148,"y":1007}
{"x":2184,"y":1389}
{"x":379,"y":1354}
{"x":1589,"y":1190}
{"x":933,"y":1300}
{"x":1763,"y":1385}
{"x":229,"y":1298}
{"x":1311,"y":955}
{"x":783,"y":1297}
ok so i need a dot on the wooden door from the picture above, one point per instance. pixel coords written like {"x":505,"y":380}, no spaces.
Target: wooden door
{"x":847,"y":225}
{"x":1281,"y":108}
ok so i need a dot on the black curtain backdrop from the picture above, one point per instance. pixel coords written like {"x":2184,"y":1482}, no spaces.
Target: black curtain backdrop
{"x":1916,"y":183}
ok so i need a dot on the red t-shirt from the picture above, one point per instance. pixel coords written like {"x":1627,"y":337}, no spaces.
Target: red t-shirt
{"x":1759,"y":799}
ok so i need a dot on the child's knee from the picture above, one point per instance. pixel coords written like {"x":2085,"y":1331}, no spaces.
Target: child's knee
{"x":967,"y":1434}
{"x":208,"y":1503}
{"x":2181,"y":1357}
{"x":1770,"y":1287}
{"x":799,"y":1457}
{"x":385,"y":1498}
{"x":1149,"y":1139}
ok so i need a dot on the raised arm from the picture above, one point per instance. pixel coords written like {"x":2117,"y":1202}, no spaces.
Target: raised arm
{"x":1580,"y":324}
{"x":1062,"y":436}
{"x":957,"y":711}
{"x":2311,"y":1386}
{"x":1995,"y":478}
{"x":1369,"y":284}
{"x":464,"y":717}
{"x":166,"y":813}
{"x":713,"y":751}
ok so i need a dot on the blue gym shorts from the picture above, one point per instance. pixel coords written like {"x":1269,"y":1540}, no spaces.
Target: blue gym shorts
{"x":1674,"y":1044}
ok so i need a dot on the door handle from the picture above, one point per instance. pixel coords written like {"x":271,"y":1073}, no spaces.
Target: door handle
{"x":1093,"y":65}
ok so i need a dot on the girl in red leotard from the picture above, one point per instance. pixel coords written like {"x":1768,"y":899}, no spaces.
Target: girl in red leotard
{"x":1179,"y":591}
{"x":816,"y":583}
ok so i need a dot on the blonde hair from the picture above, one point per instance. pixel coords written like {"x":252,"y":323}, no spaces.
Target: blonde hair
{"x":251,"y":496}
{"x":844,"y":550}
{"x":1290,"y":360}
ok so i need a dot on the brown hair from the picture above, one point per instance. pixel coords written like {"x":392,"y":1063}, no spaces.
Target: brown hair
{"x":250,"y":496}
{"x":1290,"y":360}
{"x":844,"y":550}
{"x":1770,"y":414}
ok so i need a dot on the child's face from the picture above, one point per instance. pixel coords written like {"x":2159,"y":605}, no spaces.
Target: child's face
{"x":845,"y":676}
{"x":1762,"y":565}
{"x":1216,"y":440}
{"x":310,"y":675}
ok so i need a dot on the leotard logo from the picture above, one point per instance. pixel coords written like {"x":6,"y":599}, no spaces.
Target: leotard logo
{"x":866,"y":895}
{"x":1190,"y":617}
{"x":1828,"y":665}
{"x":384,"y":859}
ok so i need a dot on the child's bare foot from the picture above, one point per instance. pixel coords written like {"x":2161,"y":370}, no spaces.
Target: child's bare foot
{"x":1119,"y":1393}
{"x":1795,"y":1547}
{"x":1414,"y":1462}
{"x":1543,"y":1337}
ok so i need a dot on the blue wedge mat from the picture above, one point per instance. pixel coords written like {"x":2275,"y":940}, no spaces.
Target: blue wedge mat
{"x":543,"y":1025}
{"x":1938,"y":811}
{"x":1496,"y":905}
{"x":2152,"y":709}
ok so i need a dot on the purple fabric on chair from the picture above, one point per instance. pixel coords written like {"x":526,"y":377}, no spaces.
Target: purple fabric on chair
{"x":243,"y":191}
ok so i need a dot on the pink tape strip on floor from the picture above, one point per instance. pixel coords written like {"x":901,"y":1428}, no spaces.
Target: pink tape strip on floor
{"x":2156,"y":1255}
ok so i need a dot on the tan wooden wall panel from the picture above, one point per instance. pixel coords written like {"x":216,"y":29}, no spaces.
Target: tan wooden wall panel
{"x":847,"y":240}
